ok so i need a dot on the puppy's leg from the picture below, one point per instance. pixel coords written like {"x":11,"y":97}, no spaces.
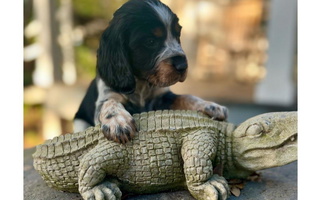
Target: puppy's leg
{"x":189,"y":102}
{"x":169,"y":100}
{"x":116,"y":123}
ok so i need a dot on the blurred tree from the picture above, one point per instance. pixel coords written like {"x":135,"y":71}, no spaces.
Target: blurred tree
{"x":28,"y":65}
{"x":91,"y":17}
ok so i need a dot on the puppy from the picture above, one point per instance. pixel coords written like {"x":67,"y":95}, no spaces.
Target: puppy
{"x":139,"y":56}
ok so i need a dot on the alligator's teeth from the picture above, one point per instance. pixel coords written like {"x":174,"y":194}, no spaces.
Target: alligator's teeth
{"x":292,"y":138}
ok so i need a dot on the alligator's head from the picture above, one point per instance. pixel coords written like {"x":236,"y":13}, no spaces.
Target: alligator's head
{"x":265,"y":141}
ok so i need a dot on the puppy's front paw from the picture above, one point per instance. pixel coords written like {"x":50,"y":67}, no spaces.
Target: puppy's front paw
{"x":116,"y":123}
{"x":215,"y":111}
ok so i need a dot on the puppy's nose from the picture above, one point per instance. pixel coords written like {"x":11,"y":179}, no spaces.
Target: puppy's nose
{"x":179,"y":63}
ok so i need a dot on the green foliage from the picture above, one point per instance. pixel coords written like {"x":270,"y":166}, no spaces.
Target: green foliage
{"x":90,"y":9}
{"x":96,"y":8}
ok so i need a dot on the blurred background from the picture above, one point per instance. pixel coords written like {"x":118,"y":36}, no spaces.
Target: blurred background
{"x":241,"y":53}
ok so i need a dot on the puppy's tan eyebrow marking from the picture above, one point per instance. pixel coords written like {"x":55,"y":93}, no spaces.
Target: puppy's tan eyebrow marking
{"x":158,"y":32}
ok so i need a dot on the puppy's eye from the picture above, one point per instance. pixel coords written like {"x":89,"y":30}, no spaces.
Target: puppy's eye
{"x":150,"y":42}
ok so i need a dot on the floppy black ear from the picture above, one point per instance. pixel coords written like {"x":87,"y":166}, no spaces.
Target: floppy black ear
{"x":113,"y":65}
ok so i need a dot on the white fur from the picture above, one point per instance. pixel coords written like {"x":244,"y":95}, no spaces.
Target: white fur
{"x":80,"y":125}
{"x":163,"y":13}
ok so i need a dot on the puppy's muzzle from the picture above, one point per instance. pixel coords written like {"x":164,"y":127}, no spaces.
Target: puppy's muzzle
{"x":179,"y":63}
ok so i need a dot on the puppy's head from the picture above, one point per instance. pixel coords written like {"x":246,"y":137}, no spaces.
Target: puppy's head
{"x":142,"y":41}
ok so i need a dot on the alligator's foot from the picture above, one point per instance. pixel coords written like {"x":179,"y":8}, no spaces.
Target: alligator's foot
{"x":216,"y":188}
{"x":104,"y":191}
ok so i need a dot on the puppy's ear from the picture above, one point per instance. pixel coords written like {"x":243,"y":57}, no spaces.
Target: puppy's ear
{"x":113,"y":65}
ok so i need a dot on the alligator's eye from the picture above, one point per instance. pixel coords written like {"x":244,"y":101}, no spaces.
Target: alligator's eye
{"x":254,"y":130}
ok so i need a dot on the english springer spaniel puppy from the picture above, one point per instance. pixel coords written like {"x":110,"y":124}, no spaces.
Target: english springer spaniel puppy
{"x":139,"y":56}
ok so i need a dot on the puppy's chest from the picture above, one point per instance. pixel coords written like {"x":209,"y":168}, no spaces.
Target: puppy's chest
{"x":138,"y":100}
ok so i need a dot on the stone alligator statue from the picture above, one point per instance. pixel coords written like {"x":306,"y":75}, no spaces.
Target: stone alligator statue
{"x":173,"y":150}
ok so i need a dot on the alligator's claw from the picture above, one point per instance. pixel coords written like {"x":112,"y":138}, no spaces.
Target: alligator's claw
{"x":104,"y":191}
{"x":216,"y":188}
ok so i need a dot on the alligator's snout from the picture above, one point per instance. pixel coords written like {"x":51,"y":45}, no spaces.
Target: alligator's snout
{"x":266,"y":141}
{"x":292,"y":140}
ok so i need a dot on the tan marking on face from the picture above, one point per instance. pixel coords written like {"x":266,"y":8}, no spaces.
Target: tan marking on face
{"x":166,"y":75}
{"x":158,"y":32}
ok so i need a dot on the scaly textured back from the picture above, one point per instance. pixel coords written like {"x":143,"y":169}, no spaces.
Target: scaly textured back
{"x":166,"y":120}
{"x":173,"y":120}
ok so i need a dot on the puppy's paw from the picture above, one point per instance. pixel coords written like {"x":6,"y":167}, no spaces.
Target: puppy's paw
{"x":116,"y":123}
{"x":215,"y":111}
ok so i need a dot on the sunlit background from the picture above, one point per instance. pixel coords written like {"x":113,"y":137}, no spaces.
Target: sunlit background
{"x":239,"y":52}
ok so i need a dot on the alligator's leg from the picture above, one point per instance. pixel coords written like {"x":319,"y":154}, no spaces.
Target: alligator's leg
{"x":198,"y":168}
{"x":93,"y":169}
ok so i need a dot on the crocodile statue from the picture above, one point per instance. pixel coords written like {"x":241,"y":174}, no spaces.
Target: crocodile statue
{"x":172,"y":150}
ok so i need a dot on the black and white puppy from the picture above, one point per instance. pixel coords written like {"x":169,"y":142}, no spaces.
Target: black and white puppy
{"x":139,"y":56}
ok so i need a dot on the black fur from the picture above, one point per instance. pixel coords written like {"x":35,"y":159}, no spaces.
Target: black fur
{"x":86,"y":110}
{"x":113,"y":64}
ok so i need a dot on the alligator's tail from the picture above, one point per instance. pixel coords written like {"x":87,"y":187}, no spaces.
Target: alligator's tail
{"x":68,"y":144}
